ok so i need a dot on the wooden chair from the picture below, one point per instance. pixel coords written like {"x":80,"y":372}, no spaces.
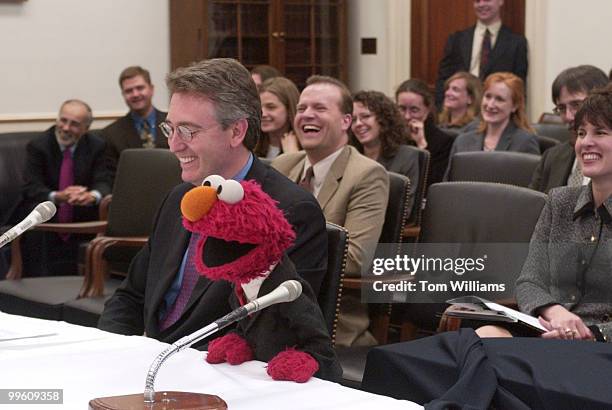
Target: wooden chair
{"x":143,"y":179}
{"x":413,"y":224}
{"x":331,"y":287}
{"x":398,"y":212}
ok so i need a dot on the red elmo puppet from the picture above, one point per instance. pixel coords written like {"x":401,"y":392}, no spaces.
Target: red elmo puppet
{"x":243,"y":238}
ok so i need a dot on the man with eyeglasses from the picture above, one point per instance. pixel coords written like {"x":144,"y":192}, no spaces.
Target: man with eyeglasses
{"x":213,"y":124}
{"x":558,"y":165}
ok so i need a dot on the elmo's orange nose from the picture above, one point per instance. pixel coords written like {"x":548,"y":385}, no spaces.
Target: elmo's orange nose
{"x":197,"y":202}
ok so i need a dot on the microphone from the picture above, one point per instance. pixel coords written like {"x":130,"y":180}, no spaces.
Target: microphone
{"x":287,"y":291}
{"x":42,"y":213}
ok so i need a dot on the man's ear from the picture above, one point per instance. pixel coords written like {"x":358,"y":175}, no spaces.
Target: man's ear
{"x":347,"y":120}
{"x":238,"y":129}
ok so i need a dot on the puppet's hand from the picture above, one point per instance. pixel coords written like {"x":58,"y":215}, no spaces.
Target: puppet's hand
{"x":231,"y":348}
{"x":292,"y":365}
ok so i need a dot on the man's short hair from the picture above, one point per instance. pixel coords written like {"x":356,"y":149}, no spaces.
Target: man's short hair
{"x":228,"y":85}
{"x":88,"y":118}
{"x":265,"y":72}
{"x":582,"y":78}
{"x":346,"y":101}
{"x":134,"y":71}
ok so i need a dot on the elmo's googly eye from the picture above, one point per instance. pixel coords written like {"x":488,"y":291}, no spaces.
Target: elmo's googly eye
{"x":213,"y":181}
{"x":230,"y":191}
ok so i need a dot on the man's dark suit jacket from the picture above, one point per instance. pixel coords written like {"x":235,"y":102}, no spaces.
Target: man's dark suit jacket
{"x":509,"y":54}
{"x":298,"y":324}
{"x":43,"y":164}
{"x":134,"y":308}
{"x":554,"y":168}
{"x":122,"y":134}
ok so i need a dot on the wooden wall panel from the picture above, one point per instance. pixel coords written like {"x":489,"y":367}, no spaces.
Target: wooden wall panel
{"x":433,"y":20}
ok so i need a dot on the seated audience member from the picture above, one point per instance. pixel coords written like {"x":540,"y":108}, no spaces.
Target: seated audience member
{"x":279,"y":97}
{"x":462,"y":94}
{"x":212,"y":126}
{"x":352,"y":189}
{"x":559,"y":165}
{"x":139,"y":127}
{"x":504,"y":125}
{"x":261,"y":73}
{"x":565,"y":279}
{"x":379,"y":133}
{"x":415,"y":102}
{"x":64,"y":165}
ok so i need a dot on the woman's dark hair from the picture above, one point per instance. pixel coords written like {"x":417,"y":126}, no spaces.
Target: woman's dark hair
{"x":393,"y":130}
{"x":596,"y":109}
{"x":414,"y":85}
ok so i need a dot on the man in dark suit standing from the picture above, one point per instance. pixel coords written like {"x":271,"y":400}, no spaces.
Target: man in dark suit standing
{"x":139,"y":127}
{"x":212,"y":127}
{"x":65,"y":165}
{"x":558,"y":165}
{"x":483,"y":49}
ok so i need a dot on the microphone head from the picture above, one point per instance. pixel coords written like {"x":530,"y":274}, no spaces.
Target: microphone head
{"x":294,"y":288}
{"x":46,"y":210}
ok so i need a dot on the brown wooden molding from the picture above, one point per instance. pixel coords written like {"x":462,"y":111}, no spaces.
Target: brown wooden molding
{"x":35,"y":118}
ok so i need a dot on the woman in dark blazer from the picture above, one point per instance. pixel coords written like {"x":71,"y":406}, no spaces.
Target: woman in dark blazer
{"x":504,"y":125}
{"x":416,"y":103}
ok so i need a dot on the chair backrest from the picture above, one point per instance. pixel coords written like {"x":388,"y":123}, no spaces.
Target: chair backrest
{"x":421,"y":190}
{"x":12,"y":167}
{"x":265,"y":160}
{"x":549,"y":118}
{"x":144,"y":177}
{"x":480,"y":212}
{"x":546,"y":142}
{"x":331,"y":287}
{"x":462,"y":218}
{"x":505,"y":167}
{"x":398,"y":210}
{"x":560,"y":132}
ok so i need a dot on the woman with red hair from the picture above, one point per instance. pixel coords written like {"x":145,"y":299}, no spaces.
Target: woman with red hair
{"x":504,"y":125}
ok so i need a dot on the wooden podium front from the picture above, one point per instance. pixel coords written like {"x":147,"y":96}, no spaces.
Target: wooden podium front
{"x":165,"y":400}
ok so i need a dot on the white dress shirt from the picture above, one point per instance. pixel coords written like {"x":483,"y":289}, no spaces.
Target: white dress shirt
{"x":477,"y":43}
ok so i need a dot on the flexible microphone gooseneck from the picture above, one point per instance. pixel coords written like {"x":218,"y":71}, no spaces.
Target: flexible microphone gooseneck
{"x":287,"y":291}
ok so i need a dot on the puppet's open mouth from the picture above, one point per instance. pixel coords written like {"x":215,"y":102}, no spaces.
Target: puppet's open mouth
{"x":219,"y":252}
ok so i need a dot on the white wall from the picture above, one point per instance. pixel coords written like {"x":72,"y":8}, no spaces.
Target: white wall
{"x":562,"y":34}
{"x":60,"y":49}
{"x":385,"y":20}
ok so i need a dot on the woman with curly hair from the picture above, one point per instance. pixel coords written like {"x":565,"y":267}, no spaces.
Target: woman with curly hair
{"x":379,"y":132}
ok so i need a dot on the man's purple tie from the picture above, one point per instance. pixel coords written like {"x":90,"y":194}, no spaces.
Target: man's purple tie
{"x":66,"y":179}
{"x":190,"y":278}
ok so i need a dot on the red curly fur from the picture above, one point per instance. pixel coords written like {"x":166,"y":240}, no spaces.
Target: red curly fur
{"x":231,"y":348}
{"x":254,"y":220}
{"x":292,"y":365}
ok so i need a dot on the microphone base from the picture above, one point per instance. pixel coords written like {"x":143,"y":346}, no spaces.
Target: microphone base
{"x":163,"y":400}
